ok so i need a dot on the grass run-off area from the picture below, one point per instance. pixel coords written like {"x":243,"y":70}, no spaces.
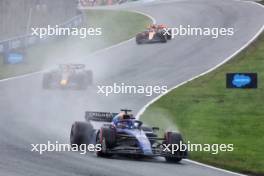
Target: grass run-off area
{"x":116,"y":26}
{"x":206,"y":112}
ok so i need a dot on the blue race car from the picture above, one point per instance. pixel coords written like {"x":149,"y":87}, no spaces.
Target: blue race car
{"x":126,"y":137}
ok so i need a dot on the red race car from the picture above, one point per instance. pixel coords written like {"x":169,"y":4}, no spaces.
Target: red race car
{"x":154,"y":33}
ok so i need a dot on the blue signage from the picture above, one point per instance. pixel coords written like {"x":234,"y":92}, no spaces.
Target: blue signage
{"x":15,"y":58}
{"x":241,"y":80}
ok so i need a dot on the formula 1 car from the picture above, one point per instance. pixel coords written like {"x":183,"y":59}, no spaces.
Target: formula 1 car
{"x":153,"y":34}
{"x":128,"y":137}
{"x":71,"y":76}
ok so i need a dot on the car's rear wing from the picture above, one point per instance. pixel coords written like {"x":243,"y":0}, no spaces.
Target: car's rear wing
{"x":72,"y":66}
{"x":100,"y":116}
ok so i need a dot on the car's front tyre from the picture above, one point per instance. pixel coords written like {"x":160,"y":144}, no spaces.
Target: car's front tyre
{"x":107,"y":138}
{"x":46,"y":81}
{"x":81,"y":133}
{"x":139,"y":39}
{"x":174,"y":138}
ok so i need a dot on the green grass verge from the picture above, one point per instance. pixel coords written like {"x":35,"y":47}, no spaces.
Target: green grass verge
{"x":116,"y":26}
{"x":206,"y":112}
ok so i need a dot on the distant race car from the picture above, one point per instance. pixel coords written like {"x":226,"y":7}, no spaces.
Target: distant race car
{"x":127,"y":137}
{"x":154,"y":33}
{"x":71,"y":76}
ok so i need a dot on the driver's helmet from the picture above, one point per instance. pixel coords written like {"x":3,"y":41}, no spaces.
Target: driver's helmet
{"x":161,"y":26}
{"x":65,"y":68}
{"x":121,"y":115}
{"x":118,"y":117}
{"x":152,"y":27}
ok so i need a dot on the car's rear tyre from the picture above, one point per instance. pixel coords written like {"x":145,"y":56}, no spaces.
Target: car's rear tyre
{"x":173,"y":138}
{"x":46,"y":81}
{"x":81,"y":133}
{"x":107,"y":138}
{"x":138,"y":39}
{"x":163,"y":38}
{"x":169,"y":34}
{"x":89,"y":76}
{"x":84,"y":80}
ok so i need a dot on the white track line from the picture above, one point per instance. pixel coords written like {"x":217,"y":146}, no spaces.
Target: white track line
{"x":214,"y":168}
{"x":21,"y":76}
{"x":208,"y":71}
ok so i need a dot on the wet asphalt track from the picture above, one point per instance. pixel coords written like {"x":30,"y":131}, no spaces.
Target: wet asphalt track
{"x":29,"y":114}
